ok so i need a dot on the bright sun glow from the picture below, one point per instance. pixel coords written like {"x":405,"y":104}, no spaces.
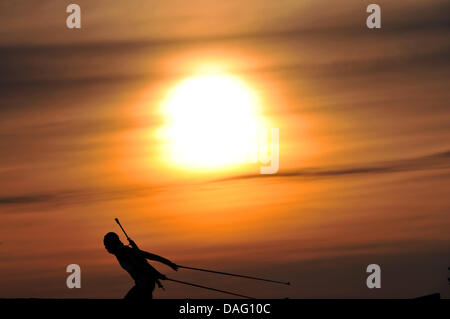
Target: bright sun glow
{"x":212,"y":121}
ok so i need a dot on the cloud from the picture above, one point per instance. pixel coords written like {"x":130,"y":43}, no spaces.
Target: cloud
{"x":80,"y":196}
{"x":105,"y":61}
{"x":433,"y":161}
{"x":26,"y":199}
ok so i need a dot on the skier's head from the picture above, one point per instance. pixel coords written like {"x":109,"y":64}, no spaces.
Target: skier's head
{"x":112,"y":242}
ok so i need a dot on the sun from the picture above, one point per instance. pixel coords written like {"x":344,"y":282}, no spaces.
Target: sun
{"x":212,"y":121}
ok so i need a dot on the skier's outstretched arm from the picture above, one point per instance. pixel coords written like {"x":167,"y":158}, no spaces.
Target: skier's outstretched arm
{"x":154,"y":257}
{"x":160,"y":259}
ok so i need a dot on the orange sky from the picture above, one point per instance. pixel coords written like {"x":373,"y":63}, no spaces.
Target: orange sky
{"x":364,"y":147}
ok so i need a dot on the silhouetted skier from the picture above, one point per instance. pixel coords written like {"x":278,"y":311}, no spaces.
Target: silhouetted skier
{"x":134,"y":261}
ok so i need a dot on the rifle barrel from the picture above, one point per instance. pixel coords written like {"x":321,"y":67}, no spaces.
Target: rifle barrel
{"x":117,"y":221}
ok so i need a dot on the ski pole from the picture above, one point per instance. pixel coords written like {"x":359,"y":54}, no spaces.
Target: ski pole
{"x":235,"y":275}
{"x":209,"y":288}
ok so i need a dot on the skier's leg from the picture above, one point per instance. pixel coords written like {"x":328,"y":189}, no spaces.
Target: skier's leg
{"x":133,"y":294}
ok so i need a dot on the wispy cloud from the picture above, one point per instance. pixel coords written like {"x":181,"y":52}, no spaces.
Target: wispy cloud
{"x":433,"y":161}
{"x":79,"y":196}
{"x":83,"y":196}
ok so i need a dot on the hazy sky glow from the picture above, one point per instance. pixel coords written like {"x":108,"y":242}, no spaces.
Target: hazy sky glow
{"x":364,"y":146}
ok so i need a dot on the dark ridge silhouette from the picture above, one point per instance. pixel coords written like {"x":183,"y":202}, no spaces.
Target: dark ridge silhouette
{"x":432,"y":296}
